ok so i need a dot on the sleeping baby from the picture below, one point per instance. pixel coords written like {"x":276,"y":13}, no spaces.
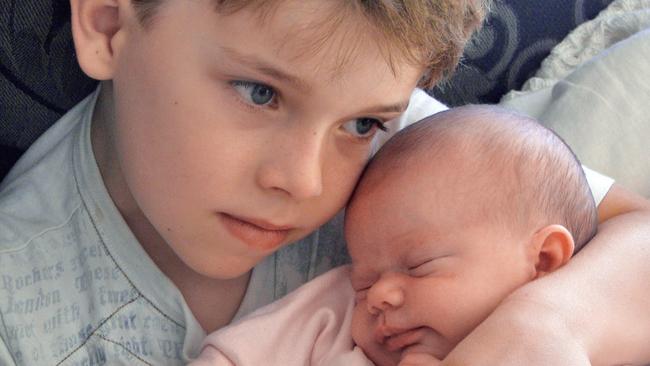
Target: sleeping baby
{"x":452,"y":214}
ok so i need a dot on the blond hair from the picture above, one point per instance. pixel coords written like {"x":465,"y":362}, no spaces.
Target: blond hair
{"x":428,"y":33}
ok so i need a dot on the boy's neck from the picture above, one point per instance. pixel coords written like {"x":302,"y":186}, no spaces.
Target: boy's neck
{"x":214,"y":302}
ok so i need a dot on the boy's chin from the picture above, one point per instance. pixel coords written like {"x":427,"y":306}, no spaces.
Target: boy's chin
{"x":228,"y":269}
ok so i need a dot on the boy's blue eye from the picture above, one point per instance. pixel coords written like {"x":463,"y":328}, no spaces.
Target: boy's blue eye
{"x":363,"y":127}
{"x":255,"y":93}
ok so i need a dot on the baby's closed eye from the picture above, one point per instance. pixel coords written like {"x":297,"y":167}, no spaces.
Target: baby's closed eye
{"x":427,"y":266}
{"x":421,"y":269}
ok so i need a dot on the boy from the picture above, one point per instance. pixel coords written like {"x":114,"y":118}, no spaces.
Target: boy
{"x":222,"y":131}
{"x":451,"y":216}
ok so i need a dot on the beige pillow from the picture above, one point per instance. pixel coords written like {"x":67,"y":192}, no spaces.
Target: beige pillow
{"x":602,"y":110}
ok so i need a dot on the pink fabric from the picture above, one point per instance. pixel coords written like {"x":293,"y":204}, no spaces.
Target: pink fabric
{"x":310,"y":326}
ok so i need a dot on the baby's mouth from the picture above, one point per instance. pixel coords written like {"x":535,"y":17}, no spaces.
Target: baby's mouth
{"x":400,"y":341}
{"x":418,"y":340}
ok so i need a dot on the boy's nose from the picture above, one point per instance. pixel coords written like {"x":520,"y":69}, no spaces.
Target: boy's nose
{"x":385,"y":294}
{"x":294,"y":168}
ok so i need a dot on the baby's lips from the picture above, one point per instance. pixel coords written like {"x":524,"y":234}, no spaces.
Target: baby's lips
{"x":399,"y":341}
{"x":383,"y":331}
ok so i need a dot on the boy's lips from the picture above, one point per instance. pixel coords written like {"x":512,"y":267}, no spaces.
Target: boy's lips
{"x":256,"y":233}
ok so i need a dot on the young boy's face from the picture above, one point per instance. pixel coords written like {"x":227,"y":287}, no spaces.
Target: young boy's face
{"x":427,"y":267}
{"x":237,"y":133}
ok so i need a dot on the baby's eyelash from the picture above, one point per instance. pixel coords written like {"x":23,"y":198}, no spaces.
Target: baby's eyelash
{"x":421,"y":264}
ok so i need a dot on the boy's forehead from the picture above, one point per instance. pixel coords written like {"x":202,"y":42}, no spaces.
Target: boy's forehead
{"x":326,"y":32}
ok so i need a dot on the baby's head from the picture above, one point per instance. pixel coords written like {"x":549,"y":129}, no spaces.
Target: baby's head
{"x":452,"y":215}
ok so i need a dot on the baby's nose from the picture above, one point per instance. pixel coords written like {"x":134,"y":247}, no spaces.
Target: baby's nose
{"x":384,"y":295}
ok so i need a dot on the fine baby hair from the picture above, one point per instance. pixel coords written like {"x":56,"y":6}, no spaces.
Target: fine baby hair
{"x":532,"y":176}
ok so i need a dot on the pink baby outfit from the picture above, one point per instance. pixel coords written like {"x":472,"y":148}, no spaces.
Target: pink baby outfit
{"x":310,"y":326}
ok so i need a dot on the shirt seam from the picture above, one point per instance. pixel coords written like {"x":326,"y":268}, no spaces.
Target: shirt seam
{"x":5,"y":341}
{"x":101,"y":238}
{"x":96,"y":329}
{"x":110,"y":255}
{"x":101,"y":336}
{"x":45,"y":231}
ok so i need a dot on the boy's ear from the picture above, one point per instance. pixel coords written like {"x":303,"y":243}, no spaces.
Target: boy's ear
{"x":553,"y":246}
{"x":96,"y":25}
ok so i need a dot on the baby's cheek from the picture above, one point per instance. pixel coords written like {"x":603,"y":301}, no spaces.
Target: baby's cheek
{"x":360,"y":328}
{"x":363,"y":330}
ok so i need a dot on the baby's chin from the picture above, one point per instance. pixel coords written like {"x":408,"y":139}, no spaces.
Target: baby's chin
{"x":422,"y":352}
{"x":383,"y":359}
{"x":429,"y":345}
{"x":437,"y":350}
{"x":377,"y":354}
{"x":412,"y":354}
{"x":417,"y":358}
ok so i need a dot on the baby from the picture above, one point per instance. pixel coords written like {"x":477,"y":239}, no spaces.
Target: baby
{"x":452,"y":215}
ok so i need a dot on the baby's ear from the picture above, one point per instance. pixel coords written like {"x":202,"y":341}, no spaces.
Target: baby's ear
{"x":553,"y":246}
{"x":96,"y":26}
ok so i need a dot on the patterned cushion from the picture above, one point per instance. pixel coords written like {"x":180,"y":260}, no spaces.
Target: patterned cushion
{"x":40,"y":79}
{"x":516,"y":37}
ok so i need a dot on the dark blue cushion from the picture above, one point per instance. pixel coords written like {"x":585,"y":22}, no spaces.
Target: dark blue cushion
{"x":517,"y":36}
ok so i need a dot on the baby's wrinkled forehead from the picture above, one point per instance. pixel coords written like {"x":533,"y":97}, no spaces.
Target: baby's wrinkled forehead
{"x":459,"y":147}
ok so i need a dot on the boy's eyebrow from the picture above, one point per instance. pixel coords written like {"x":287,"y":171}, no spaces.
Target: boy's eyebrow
{"x":399,"y":107}
{"x":266,"y":68}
